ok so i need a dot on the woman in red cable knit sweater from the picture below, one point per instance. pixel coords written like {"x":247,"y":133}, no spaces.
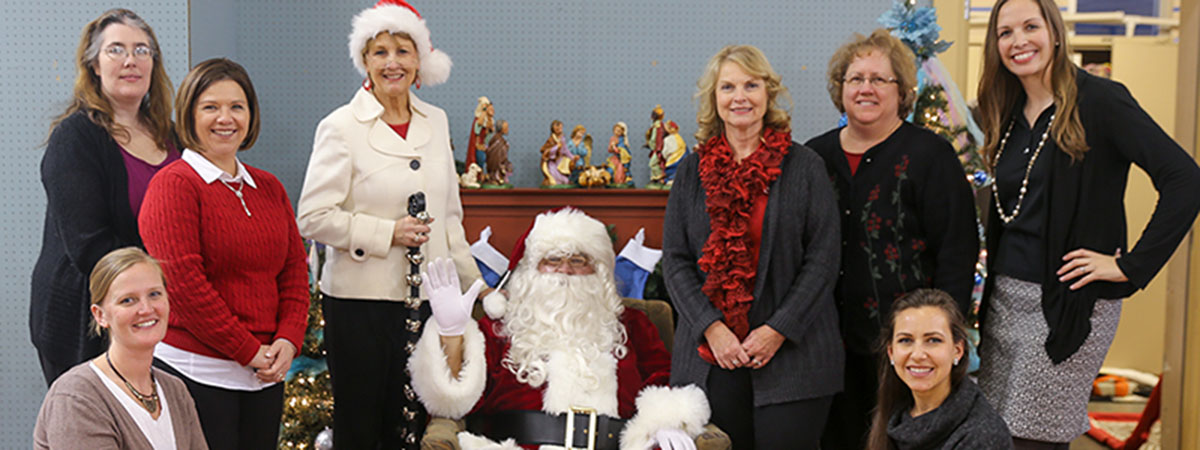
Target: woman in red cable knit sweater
{"x":227,"y":238}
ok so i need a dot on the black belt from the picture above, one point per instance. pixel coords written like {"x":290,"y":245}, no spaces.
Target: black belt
{"x":539,"y":428}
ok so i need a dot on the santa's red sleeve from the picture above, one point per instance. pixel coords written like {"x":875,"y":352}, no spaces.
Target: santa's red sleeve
{"x":659,"y":406}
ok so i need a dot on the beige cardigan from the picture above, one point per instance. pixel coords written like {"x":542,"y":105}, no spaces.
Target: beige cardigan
{"x":359,"y":178}
{"x":80,"y":412}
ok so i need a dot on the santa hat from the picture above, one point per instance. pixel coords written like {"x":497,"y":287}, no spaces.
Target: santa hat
{"x":562,"y":231}
{"x":397,"y":16}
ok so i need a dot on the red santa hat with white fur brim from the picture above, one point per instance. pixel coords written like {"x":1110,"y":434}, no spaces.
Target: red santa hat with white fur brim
{"x":561,"y":231}
{"x":397,"y":16}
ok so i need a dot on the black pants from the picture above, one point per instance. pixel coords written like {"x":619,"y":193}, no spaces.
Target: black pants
{"x":365,"y":346}
{"x":850,"y":416}
{"x":792,"y":425}
{"x":246,"y":420}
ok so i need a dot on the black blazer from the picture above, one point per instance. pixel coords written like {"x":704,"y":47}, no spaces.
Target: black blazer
{"x":1087,"y":208}
{"x":87,"y":216}
{"x":793,"y":292}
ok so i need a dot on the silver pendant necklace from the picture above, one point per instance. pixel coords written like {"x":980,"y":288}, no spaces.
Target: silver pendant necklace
{"x":238,"y":193}
{"x":1028,"y":169}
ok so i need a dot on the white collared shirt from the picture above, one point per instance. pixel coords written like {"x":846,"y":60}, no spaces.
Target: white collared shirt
{"x":209,"y":172}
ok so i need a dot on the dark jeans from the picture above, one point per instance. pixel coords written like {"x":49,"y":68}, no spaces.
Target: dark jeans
{"x":365,"y":347}
{"x":792,"y":425}
{"x":850,"y":416}
{"x":247,"y":420}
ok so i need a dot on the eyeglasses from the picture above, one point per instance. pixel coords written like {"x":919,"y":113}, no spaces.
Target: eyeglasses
{"x":858,"y":80}
{"x":119,"y":52}
{"x":576,"y":261}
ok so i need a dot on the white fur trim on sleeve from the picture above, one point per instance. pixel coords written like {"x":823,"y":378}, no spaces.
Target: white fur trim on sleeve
{"x":441,"y":393}
{"x":469,"y":441}
{"x":660,"y":407}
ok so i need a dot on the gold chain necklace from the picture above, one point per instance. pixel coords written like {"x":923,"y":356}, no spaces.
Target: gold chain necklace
{"x":1028,"y":169}
{"x":150,"y":402}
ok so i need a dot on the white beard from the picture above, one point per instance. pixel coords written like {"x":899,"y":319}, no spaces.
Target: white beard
{"x":559,"y":321}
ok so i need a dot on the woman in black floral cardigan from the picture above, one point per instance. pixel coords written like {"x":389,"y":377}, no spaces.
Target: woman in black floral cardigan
{"x":908,"y":215}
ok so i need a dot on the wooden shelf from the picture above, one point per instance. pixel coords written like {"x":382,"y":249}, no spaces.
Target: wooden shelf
{"x":511,"y":211}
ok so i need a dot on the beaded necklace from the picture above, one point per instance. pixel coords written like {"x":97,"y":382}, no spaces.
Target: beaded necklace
{"x":1028,"y":169}
{"x":150,"y":402}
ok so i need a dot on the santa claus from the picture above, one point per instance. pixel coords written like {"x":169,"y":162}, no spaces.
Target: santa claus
{"x":559,"y":357}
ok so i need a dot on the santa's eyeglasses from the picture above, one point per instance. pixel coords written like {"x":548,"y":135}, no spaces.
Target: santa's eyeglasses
{"x":575,"y":261}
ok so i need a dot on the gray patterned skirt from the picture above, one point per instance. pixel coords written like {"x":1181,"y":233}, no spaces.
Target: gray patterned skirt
{"x":1039,"y":400}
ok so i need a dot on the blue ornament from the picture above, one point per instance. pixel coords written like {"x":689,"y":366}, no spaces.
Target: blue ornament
{"x":916,"y":27}
{"x":981,"y":177}
{"x":978,"y":279}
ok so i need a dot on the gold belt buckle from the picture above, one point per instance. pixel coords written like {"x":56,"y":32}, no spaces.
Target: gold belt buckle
{"x":569,"y":437}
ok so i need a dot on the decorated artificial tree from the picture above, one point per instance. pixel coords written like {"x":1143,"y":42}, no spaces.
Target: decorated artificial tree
{"x":308,"y":392}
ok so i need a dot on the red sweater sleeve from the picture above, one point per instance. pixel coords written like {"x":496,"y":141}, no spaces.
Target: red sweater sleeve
{"x":170,"y":227}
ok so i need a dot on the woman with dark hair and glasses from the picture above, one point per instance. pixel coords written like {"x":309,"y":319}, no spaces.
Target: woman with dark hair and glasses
{"x":906,"y":210}
{"x":102,"y":152}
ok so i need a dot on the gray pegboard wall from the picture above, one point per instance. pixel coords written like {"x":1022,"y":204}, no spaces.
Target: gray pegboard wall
{"x":35,"y":85}
{"x":582,"y":62}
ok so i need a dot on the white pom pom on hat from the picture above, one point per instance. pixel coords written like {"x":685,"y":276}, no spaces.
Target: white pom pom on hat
{"x":397,"y":16}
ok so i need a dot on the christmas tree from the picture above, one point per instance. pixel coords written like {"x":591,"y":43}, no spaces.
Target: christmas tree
{"x":308,"y":392}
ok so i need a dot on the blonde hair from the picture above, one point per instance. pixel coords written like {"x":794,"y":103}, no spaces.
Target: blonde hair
{"x":754,"y":63}
{"x":155,"y":109}
{"x":109,"y":267}
{"x":902,"y":59}
{"x":1000,"y":90}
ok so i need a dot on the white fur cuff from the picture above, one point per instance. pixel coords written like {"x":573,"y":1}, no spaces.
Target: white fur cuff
{"x":661,"y":407}
{"x":442,"y":394}
{"x":469,"y":441}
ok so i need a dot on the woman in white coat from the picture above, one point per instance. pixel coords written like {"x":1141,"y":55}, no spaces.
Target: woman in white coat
{"x":369,"y":156}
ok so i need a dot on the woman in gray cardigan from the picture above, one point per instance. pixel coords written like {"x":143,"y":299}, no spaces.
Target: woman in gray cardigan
{"x":750,"y":257}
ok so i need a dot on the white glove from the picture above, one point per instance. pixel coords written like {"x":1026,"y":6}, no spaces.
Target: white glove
{"x":451,"y":308}
{"x":674,"y":439}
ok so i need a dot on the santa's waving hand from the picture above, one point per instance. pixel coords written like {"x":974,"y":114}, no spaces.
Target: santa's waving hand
{"x":559,"y":351}
{"x":451,"y":308}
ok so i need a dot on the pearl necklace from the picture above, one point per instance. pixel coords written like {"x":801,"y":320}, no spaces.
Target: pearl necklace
{"x":1028,"y":169}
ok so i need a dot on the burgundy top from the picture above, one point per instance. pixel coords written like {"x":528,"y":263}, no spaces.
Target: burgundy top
{"x":140,"y":172}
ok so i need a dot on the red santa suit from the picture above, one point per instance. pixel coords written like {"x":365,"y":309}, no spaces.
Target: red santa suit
{"x":631,"y":387}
